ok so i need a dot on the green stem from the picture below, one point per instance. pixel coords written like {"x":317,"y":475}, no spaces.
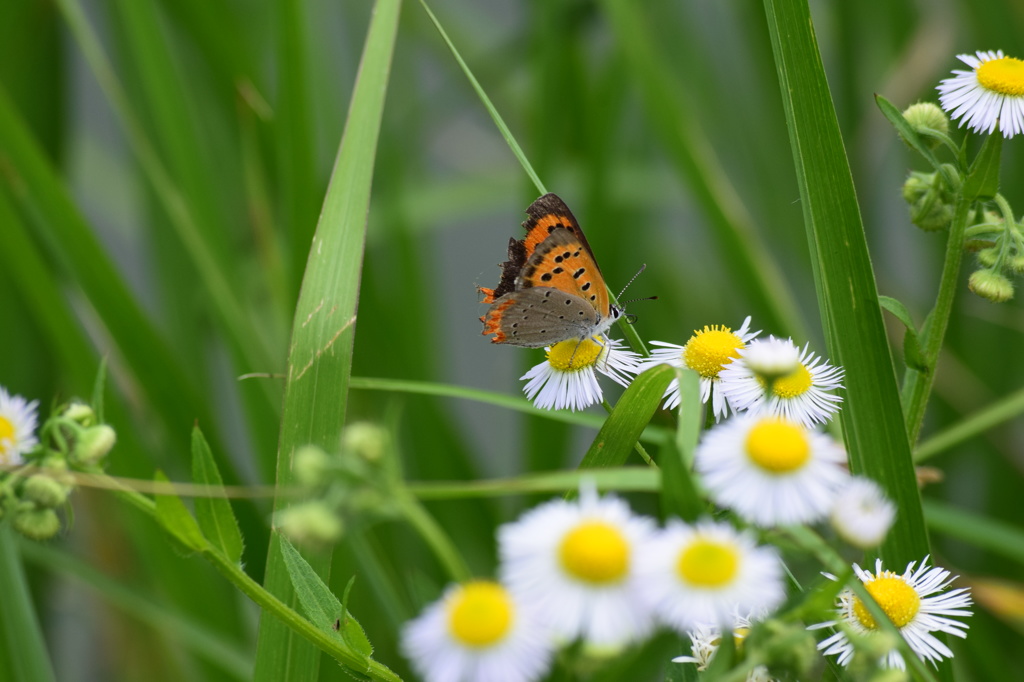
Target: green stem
{"x":917,"y":384}
{"x":996,"y":413}
{"x":268,"y":602}
{"x":816,"y":545}
{"x":434,"y":536}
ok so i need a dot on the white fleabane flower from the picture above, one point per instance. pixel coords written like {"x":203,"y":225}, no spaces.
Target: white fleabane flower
{"x":477,"y":631}
{"x":707,"y":352}
{"x":567,"y":378}
{"x":18,"y":421}
{"x":862,"y":514}
{"x":773,"y":376}
{"x":990,"y":94}
{"x":771,"y":471}
{"x":575,"y":563}
{"x":708,"y":572}
{"x":916,"y":602}
{"x":705,"y":640}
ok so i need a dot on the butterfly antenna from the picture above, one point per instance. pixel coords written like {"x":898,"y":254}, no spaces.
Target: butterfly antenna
{"x":642,"y":268}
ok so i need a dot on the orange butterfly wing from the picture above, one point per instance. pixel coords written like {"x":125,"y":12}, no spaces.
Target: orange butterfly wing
{"x":546,"y":214}
{"x":562,"y":261}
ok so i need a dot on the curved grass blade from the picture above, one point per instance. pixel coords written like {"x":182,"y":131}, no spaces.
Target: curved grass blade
{"x":622,"y":429}
{"x":874,"y":428}
{"x":491,"y":109}
{"x":320,"y":358}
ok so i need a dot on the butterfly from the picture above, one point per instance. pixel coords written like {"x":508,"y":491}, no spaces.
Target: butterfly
{"x":551,"y":288}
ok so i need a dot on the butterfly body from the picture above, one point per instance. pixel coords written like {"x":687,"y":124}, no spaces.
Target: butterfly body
{"x":551,"y":287}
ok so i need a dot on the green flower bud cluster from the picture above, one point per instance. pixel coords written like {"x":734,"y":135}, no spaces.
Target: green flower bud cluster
{"x":930,"y":200}
{"x":73,"y":438}
{"x":30,"y":496}
{"x":357,"y":482}
{"x":999,"y":245}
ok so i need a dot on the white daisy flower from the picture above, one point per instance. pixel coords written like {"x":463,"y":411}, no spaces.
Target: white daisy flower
{"x":990,"y":94}
{"x":575,"y":562}
{"x":915,"y":602}
{"x":775,"y":376}
{"x":862,"y":514}
{"x":18,"y":421}
{"x":771,"y":471}
{"x":567,"y":380}
{"x":707,"y":352}
{"x":706,"y":573}
{"x":705,"y":640}
{"x":476,"y":631}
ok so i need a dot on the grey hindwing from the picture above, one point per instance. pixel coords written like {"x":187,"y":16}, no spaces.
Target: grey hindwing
{"x":542,"y":316}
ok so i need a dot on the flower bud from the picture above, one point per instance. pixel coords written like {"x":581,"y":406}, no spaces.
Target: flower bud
{"x":36,"y":524}
{"x":991,"y":285}
{"x":988,"y":256}
{"x":80,"y":412}
{"x":310,"y":523}
{"x":861,"y":513}
{"x":310,"y":464}
{"x":925,"y":117}
{"x":930,"y":208}
{"x":1016,"y":263}
{"x":45,"y":491}
{"x":366,"y":440}
{"x":93,"y":444}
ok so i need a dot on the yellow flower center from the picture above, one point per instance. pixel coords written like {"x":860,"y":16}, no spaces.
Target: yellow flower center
{"x":793,"y":384}
{"x":595,"y":552}
{"x":711,"y":349}
{"x":1004,"y":75}
{"x":480,"y":614}
{"x":6,"y":436}
{"x":574,"y":354}
{"x":778,"y":446}
{"x":707,"y":563}
{"x":899,"y":600}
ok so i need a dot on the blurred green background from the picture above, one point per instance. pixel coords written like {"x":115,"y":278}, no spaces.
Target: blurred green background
{"x":162,"y":166}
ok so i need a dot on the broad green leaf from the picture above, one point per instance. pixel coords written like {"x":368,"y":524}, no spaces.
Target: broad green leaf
{"x":320,"y":359}
{"x":906,"y":131}
{"x":174,"y":516}
{"x":912,"y":354}
{"x":873,"y":425}
{"x":216,"y":518}
{"x":622,"y":429}
{"x":321,"y":606}
{"x":983,"y":178}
